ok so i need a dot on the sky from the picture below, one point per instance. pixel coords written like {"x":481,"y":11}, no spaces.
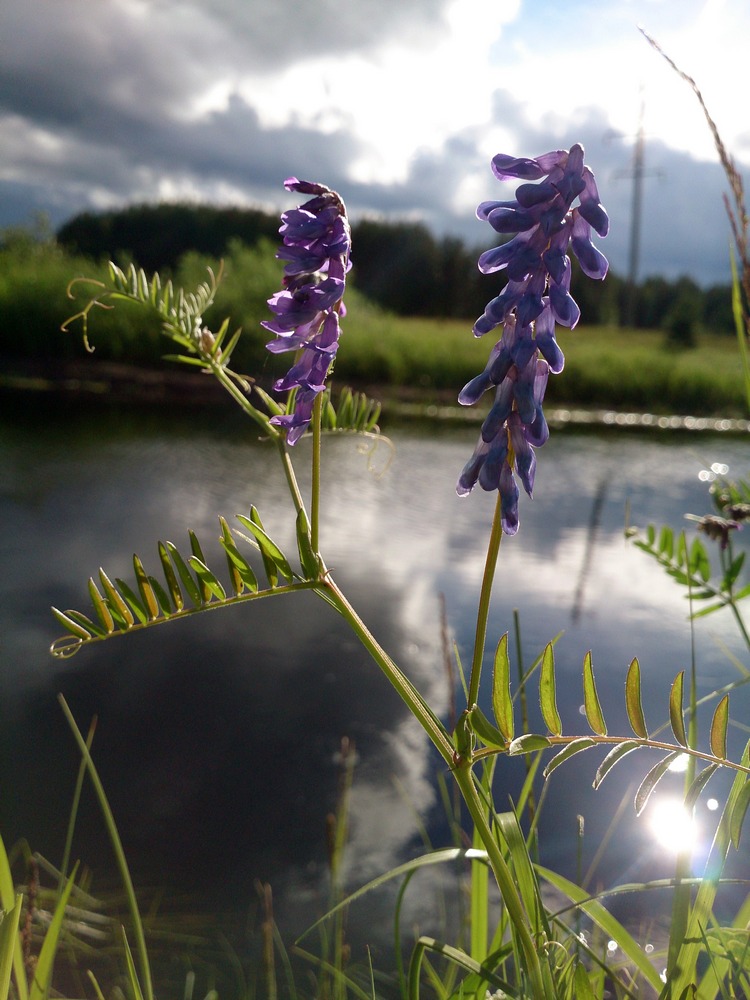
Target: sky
{"x":397,"y":104}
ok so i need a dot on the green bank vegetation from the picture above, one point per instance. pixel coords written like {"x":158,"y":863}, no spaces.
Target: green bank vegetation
{"x":607,"y":365}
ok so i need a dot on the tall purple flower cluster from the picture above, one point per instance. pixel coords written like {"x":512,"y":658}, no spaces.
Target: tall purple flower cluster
{"x":544,"y":227}
{"x":316,"y":242}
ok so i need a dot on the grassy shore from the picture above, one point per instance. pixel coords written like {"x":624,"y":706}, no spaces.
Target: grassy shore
{"x":605,"y":366}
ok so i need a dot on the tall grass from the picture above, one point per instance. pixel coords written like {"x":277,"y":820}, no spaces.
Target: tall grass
{"x":605,"y":366}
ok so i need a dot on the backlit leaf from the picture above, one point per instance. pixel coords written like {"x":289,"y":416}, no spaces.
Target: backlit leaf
{"x":699,"y":561}
{"x":738,"y":813}
{"x":502,"y":703}
{"x":547,"y":698}
{"x":238,"y":584}
{"x":187,"y":578}
{"x":242,"y":566}
{"x":169,"y":575}
{"x":207,"y":578}
{"x":148,"y":597}
{"x":528,"y":743}
{"x":487,"y":733}
{"x":612,"y":758}
{"x":203,"y":588}
{"x":133,"y":600}
{"x":117,"y":605}
{"x":574,"y":747}
{"x":161,"y":596}
{"x":274,"y":560}
{"x":666,"y":542}
{"x":307,"y":557}
{"x":633,"y":699}
{"x":72,"y":625}
{"x":699,"y":783}
{"x":719,"y":729}
{"x":675,"y":709}
{"x":593,"y":709}
{"x":651,"y":780}
{"x":105,"y":615}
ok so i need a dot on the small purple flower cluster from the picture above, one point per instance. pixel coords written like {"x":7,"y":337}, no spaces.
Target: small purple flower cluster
{"x":537,"y":295}
{"x":316,"y":245}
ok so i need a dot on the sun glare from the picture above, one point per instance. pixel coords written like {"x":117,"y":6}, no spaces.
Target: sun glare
{"x":671,"y":825}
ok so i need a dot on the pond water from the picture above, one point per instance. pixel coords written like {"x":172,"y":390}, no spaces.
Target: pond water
{"x":219,"y":738}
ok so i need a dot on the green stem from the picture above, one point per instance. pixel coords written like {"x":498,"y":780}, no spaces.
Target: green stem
{"x":291,"y":478}
{"x":315,"y":486}
{"x":461,"y":769}
{"x":727,"y":558}
{"x":416,"y":704}
{"x":493,"y":548}
{"x":219,"y":373}
{"x":503,"y":876}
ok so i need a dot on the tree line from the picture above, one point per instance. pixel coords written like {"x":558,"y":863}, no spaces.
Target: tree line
{"x":401,"y":266}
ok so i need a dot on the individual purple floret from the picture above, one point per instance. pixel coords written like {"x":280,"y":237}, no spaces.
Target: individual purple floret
{"x":316,"y":246}
{"x":544,"y":227}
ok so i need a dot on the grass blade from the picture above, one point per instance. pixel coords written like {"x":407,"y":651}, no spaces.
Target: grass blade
{"x":8,"y":943}
{"x":114,"y":836}
{"x":40,"y":986}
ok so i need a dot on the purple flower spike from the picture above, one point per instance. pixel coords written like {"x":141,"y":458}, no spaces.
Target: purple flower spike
{"x":545,"y":227}
{"x":316,"y":245}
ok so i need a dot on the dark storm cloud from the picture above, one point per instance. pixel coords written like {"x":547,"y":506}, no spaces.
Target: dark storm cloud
{"x":97,"y":110}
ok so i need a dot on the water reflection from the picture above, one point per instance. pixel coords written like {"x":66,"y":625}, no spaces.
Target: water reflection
{"x":218,"y":737}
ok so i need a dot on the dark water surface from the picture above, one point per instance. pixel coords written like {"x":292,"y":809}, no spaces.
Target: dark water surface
{"x":218,"y":737}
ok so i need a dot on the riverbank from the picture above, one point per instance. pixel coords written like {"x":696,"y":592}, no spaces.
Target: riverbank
{"x":104,"y":383}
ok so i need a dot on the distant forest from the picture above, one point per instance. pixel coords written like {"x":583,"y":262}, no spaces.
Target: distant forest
{"x":401,"y":266}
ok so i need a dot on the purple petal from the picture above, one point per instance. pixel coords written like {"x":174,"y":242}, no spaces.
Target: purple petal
{"x":468,"y":478}
{"x":593,"y":262}
{"x":504,"y":166}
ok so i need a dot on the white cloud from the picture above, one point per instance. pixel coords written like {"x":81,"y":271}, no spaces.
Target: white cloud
{"x":399,"y":103}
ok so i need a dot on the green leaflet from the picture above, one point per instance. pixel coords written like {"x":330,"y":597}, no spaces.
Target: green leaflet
{"x":211,"y":584}
{"x":738,"y":814}
{"x":274,"y":560}
{"x":170,"y":577}
{"x":699,"y":783}
{"x":307,"y":556}
{"x":651,"y":780}
{"x":203,"y":588}
{"x":117,"y":605}
{"x":146,"y":590}
{"x":187,"y":578}
{"x":487,"y":733}
{"x":593,"y":709}
{"x":238,"y":584}
{"x":71,"y":623}
{"x":719,"y":729}
{"x":574,"y":747}
{"x":502,"y":703}
{"x":101,"y":608}
{"x":241,"y":572}
{"x":633,"y":700}
{"x":528,"y":743}
{"x":614,"y":755}
{"x":675,"y":709}
{"x":547,"y":695}
{"x":699,"y":561}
